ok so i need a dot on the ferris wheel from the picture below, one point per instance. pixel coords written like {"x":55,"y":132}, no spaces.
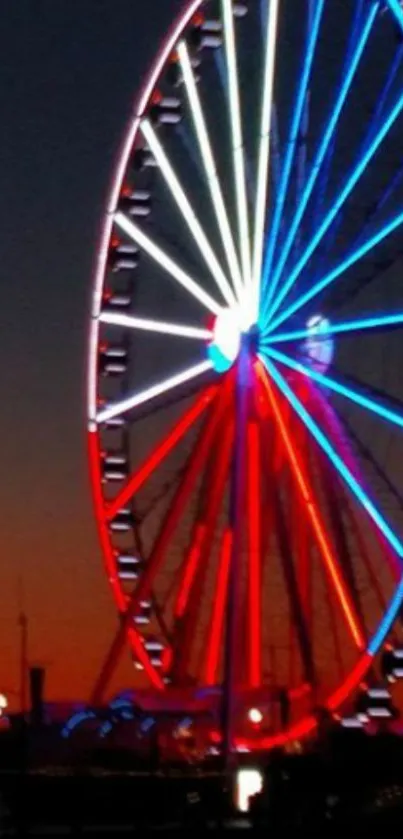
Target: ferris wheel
{"x":243,"y":392}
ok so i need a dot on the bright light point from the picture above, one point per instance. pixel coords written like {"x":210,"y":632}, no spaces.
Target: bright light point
{"x":255,"y":716}
{"x":224,"y":348}
{"x":319,"y":346}
{"x":249,"y":782}
{"x":3,"y":703}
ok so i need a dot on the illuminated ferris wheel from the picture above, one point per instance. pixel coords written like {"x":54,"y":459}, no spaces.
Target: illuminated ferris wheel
{"x":243,"y":390}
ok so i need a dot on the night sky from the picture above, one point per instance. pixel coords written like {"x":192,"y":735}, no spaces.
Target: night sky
{"x":69,"y":74}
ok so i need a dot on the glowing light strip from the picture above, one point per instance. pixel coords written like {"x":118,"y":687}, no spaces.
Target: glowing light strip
{"x":161,"y":451}
{"x":192,"y":561}
{"x":210,"y":168}
{"x":159,"y":326}
{"x":254,"y":560}
{"x":237,"y":138}
{"x":333,"y":275}
{"x":166,"y":262}
{"x":290,"y":150}
{"x":340,"y":200}
{"x":326,"y":446}
{"x":264,"y":148}
{"x":315,"y":519}
{"x":325,"y":142}
{"x":187,"y":211}
{"x":152,"y":392}
{"x":336,"y":329}
{"x":337,"y":387}
{"x":217,"y":618}
{"x":396,"y":10}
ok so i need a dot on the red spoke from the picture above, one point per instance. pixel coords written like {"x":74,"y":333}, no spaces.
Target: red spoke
{"x":160,"y":452}
{"x":254,"y":557}
{"x":312,"y":510}
{"x":219,"y":605}
{"x":193,"y":583}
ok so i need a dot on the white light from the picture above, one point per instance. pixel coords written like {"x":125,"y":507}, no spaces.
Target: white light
{"x":159,"y":326}
{"x":210,"y":168}
{"x":255,"y":715}
{"x":237,"y":138}
{"x":249,"y":782}
{"x":264,"y":149}
{"x":3,"y":702}
{"x":153,"y":392}
{"x":226,"y":343}
{"x":166,"y":262}
{"x":187,"y":211}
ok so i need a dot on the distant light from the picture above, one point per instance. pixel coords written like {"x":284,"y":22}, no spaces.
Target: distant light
{"x":3,"y":702}
{"x":249,"y":782}
{"x":255,"y":716}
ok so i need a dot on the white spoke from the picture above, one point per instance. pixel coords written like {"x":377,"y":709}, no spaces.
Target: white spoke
{"x":159,"y":326}
{"x":264,"y":148}
{"x":237,"y":138}
{"x":187,"y":211}
{"x":152,"y":392}
{"x":213,"y":182}
{"x":166,"y":262}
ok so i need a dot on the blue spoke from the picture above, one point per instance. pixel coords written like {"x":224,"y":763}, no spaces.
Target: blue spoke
{"x":340,"y":200}
{"x":397,"y":10}
{"x":324,"y":443}
{"x":346,"y":263}
{"x":338,"y":387}
{"x":329,"y":328}
{"x":291,"y":145}
{"x":348,"y":77}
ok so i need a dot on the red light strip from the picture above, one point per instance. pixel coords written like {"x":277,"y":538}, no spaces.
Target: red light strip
{"x":254,"y":556}
{"x":314,"y":516}
{"x":191,"y":564}
{"x":194,"y":591}
{"x":162,"y":450}
{"x":217,"y":619}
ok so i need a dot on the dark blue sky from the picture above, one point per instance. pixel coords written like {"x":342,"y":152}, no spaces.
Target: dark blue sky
{"x":69,"y":72}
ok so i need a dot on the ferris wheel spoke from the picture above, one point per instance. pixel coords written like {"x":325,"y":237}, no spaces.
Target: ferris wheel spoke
{"x":375,"y":323}
{"x":292,"y":141}
{"x":118,"y":408}
{"x":352,"y":259}
{"x":338,"y":204}
{"x":397,"y":11}
{"x":237,"y":141}
{"x":324,"y":443}
{"x":300,"y":475}
{"x":338,"y":387}
{"x":328,"y":134}
{"x":187,"y":211}
{"x":160,"y":327}
{"x":210,"y":168}
{"x":254,"y":555}
{"x":218,"y":614}
{"x":264,"y":147}
{"x":166,"y":262}
{"x":190,"y":592}
{"x":161,"y":451}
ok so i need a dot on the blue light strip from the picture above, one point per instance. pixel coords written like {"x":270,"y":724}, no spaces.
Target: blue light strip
{"x":290,"y":149}
{"x":334,"y":458}
{"x":348,"y":76}
{"x":354,"y":257}
{"x":381,"y":322}
{"x":340,"y":200}
{"x":338,"y":387}
{"x":397,"y":10}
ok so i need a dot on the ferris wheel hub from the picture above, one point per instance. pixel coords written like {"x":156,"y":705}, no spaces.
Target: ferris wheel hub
{"x":229,"y":334}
